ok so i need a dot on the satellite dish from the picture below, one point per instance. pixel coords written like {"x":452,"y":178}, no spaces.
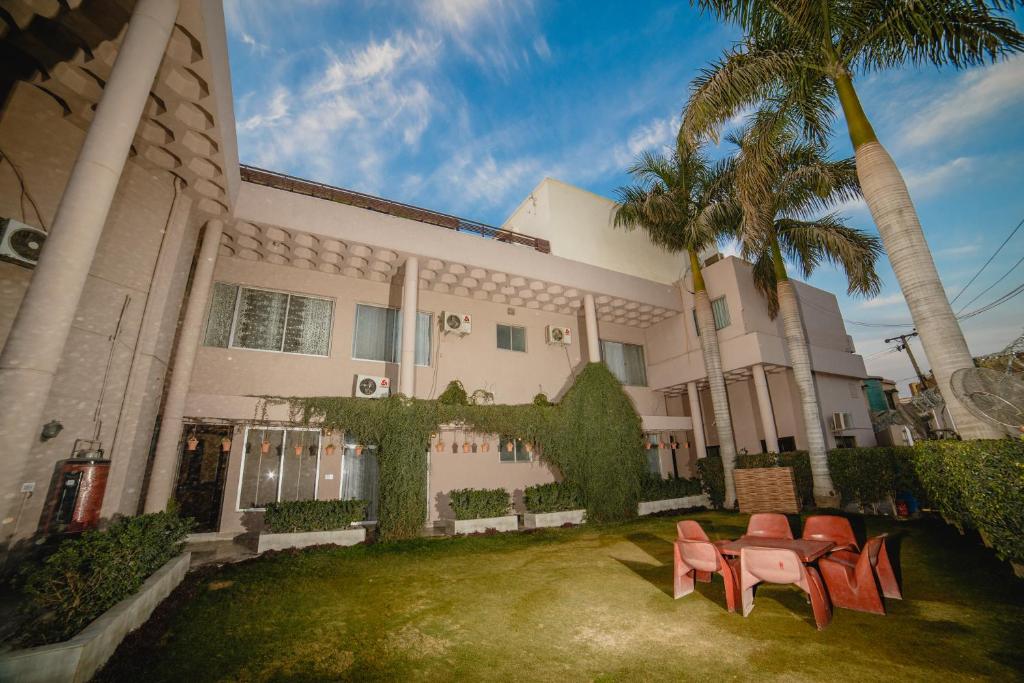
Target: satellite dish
{"x":992,"y":396}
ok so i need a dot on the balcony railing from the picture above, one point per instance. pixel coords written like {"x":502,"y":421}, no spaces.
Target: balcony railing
{"x":289,"y":183}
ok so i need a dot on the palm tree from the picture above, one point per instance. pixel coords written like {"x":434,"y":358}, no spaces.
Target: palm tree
{"x":805,"y":53}
{"x":781,"y":222}
{"x":682,"y":203}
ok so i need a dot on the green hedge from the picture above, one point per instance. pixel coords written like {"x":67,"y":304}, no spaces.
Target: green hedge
{"x":712,"y":479}
{"x":312,"y":515}
{"x":91,"y":573}
{"x":869,"y":475}
{"x":480,"y":503}
{"x":656,"y":488}
{"x":554,"y":497}
{"x":798,"y":460}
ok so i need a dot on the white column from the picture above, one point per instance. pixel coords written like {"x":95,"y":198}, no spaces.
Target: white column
{"x":590,"y":318}
{"x":165,"y":460}
{"x":40,"y":330}
{"x":410,"y":303}
{"x":698,"y":422}
{"x":764,"y":403}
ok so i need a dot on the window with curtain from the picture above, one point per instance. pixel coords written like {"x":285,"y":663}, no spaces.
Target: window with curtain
{"x":720,"y":309}
{"x":512,"y":338}
{"x":626,"y":361}
{"x":378,"y":334}
{"x":653,"y":456}
{"x":278,"y":464}
{"x":359,"y":479}
{"x":265,"y":320}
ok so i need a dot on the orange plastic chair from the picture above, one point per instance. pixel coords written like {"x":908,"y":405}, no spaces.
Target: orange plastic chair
{"x":851,"y":577}
{"x":780,"y":565}
{"x":698,"y":558}
{"x":769,"y":525}
{"x":690,"y":530}
{"x":831,"y":528}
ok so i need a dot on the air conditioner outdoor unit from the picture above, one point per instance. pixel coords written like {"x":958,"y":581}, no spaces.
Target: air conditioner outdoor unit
{"x":459,"y":323}
{"x":559,"y":335}
{"x":20,"y":243}
{"x":369,"y":386}
{"x":841,"y":421}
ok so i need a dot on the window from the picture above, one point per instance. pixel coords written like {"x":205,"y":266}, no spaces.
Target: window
{"x":846,"y":442}
{"x":787,"y":444}
{"x":511,"y":338}
{"x":518,"y":453}
{"x":359,"y":475}
{"x":378,"y":335}
{"x":653,"y":455}
{"x":278,"y":464}
{"x":265,"y":320}
{"x":720,"y":309}
{"x":626,"y":361}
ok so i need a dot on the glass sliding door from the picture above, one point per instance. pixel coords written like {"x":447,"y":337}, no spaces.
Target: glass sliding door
{"x":278,"y":464}
{"x":359,"y":476}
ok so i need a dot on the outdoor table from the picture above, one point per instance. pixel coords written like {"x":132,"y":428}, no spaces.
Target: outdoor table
{"x":808,"y":550}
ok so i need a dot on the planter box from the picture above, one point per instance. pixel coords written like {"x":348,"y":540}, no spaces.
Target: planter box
{"x":80,"y":657}
{"x":649,"y":507}
{"x":536,"y":520}
{"x":303,"y":539}
{"x":766,"y":489}
{"x":474,"y":526}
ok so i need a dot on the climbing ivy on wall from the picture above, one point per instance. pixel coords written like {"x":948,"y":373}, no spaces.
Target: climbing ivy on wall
{"x":593,"y":437}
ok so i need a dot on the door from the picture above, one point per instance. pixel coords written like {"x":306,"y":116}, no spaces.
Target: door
{"x":202,"y":469}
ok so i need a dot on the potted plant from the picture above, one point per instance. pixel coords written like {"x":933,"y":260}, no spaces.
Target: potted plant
{"x":552,"y":505}
{"x":477,"y":510}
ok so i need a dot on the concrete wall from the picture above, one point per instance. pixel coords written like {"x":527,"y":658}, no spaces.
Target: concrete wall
{"x":36,"y":137}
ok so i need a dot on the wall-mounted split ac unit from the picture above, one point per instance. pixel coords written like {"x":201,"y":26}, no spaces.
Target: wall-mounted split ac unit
{"x":841,"y":421}
{"x":558,"y":335}
{"x":369,"y":386}
{"x":459,"y":323}
{"x":20,"y":243}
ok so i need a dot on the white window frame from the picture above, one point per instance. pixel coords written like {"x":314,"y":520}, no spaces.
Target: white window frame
{"x":511,"y":327}
{"x":284,"y":334}
{"x":241,"y":466}
{"x":520,"y":444}
{"x":355,"y":334}
{"x":728,"y":315}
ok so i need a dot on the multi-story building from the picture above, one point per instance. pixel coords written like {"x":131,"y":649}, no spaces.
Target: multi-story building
{"x":176,"y":287}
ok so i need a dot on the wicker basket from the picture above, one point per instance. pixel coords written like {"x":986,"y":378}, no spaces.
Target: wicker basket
{"x":766,"y":489}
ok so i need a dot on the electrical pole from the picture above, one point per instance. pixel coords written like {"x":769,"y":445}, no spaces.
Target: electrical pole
{"x":904,"y":346}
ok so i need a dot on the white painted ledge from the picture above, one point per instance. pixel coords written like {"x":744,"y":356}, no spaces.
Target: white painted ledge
{"x":652,"y":506}
{"x":77,"y":659}
{"x":304,"y":539}
{"x":537,"y":520}
{"x":474,"y":526}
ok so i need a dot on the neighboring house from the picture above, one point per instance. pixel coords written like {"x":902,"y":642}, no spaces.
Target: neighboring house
{"x":214,"y":283}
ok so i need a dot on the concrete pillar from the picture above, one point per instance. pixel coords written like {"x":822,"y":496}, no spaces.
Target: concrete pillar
{"x":165,"y":460}
{"x":410,"y":303}
{"x":590,"y":318}
{"x":698,"y":422}
{"x":40,"y":330}
{"x":764,"y":403}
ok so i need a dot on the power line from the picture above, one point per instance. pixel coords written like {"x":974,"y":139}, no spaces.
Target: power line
{"x":993,"y":304}
{"x":990,"y":259}
{"x":1003,"y":277}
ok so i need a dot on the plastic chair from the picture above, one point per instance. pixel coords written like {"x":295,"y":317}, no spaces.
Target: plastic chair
{"x":831,"y":528}
{"x":779,"y":565}
{"x":690,"y":530}
{"x":851,"y":577}
{"x":769,"y":525}
{"x":697,"y":558}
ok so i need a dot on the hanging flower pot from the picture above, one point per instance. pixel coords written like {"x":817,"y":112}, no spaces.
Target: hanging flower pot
{"x":192,"y":442}
{"x":647,"y":444}
{"x":529,"y":448}
{"x":225,"y":444}
{"x":298,"y":450}
{"x":474,"y":447}
{"x":510,"y":446}
{"x":465,"y":447}
{"x":486,"y":446}
{"x":359,"y":450}
{"x":439,"y":447}
{"x":329,"y":449}
{"x":661,"y":444}
{"x":265,"y":447}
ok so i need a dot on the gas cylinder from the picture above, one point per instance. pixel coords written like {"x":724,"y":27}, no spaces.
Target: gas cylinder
{"x":76,"y":494}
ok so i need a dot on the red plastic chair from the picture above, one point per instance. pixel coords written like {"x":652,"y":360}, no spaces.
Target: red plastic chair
{"x":698,"y":558}
{"x":831,"y":528}
{"x":690,"y":530}
{"x":769,"y":525}
{"x":779,"y":565}
{"x":851,"y":577}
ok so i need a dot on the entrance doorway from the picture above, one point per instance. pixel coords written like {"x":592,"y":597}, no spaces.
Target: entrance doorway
{"x":202,"y":469}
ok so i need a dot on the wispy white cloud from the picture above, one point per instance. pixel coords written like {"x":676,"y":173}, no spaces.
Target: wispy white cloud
{"x":541,"y":47}
{"x":883,"y":301}
{"x":959,"y":250}
{"x":484,"y":30}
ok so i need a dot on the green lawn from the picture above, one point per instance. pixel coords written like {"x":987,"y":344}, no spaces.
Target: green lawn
{"x":592,"y":603}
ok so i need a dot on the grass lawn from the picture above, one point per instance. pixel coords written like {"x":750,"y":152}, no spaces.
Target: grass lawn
{"x":591,"y":603}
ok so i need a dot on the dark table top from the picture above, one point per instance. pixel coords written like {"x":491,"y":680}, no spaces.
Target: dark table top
{"x":808,"y":550}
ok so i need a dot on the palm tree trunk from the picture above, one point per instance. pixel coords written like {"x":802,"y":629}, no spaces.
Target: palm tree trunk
{"x":716,"y":380}
{"x":800,"y":357}
{"x":893,"y":212}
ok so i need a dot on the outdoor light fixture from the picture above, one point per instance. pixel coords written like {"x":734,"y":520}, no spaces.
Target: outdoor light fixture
{"x":50,"y":430}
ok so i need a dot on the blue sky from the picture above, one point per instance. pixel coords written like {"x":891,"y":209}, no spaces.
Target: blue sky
{"x":463,"y":106}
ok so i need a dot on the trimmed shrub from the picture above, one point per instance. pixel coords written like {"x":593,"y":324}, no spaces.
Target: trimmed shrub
{"x":296,"y":516}
{"x":554,"y":497}
{"x":863,"y":475}
{"x":454,"y":394}
{"x":656,"y":488}
{"x":712,"y":479}
{"x":480,"y":503}
{"x":798,"y":460}
{"x":91,"y":573}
